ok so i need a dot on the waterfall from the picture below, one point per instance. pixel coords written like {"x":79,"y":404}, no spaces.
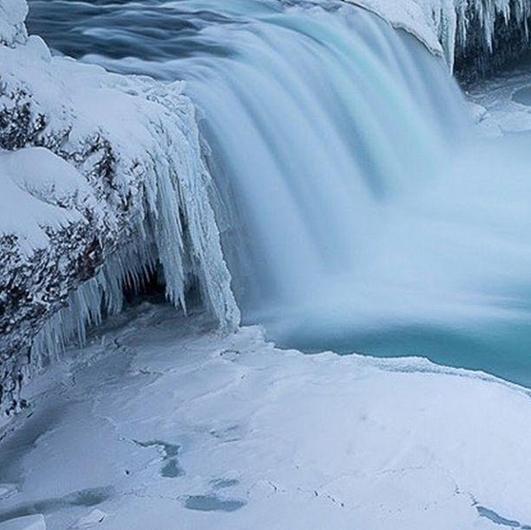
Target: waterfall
{"x":358,"y":211}
{"x":318,"y":121}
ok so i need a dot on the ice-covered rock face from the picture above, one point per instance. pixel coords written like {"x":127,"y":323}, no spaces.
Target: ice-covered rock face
{"x":102,"y":180}
{"x":472,"y":34}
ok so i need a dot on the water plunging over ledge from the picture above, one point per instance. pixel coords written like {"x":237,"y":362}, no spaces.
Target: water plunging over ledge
{"x":358,"y":212}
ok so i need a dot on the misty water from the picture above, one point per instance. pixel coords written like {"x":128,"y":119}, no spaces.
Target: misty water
{"x":358,"y":211}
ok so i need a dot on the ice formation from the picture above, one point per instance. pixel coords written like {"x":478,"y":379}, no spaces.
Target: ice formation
{"x":102,"y":180}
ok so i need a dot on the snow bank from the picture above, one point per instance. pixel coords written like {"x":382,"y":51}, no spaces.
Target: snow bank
{"x":444,"y":25}
{"x":102,"y":181}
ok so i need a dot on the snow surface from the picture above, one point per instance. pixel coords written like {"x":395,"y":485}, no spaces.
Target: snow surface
{"x":40,"y":191}
{"x":162,"y":423}
{"x":503,"y":113}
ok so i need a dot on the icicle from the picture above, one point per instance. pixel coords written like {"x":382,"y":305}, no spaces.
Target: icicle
{"x":177,"y":230}
{"x":98,"y":297}
{"x":453,"y":25}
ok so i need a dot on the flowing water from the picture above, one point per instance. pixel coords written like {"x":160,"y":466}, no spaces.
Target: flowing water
{"x":358,"y":212}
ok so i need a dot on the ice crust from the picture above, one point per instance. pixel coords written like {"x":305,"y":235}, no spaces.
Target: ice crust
{"x":263,"y":438}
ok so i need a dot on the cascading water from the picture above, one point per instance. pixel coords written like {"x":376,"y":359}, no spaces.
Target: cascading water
{"x":358,"y":214}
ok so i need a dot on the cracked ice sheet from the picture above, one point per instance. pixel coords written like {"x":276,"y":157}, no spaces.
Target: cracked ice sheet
{"x":262,"y":438}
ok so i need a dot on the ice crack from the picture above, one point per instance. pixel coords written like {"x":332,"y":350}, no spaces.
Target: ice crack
{"x":483,"y":511}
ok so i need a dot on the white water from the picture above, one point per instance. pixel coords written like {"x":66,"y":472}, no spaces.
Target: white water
{"x":358,"y":213}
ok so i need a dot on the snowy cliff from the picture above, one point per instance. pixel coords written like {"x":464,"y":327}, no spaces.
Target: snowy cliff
{"x":102,"y":181}
{"x":471,"y":34}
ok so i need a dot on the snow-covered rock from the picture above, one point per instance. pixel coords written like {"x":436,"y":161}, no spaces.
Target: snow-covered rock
{"x":12,"y":16}
{"x":41,"y":193}
{"x":102,"y":181}
{"x":447,"y":26}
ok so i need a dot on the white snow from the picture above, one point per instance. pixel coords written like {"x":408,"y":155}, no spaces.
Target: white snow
{"x":40,"y":191}
{"x":12,"y":16}
{"x":502,"y":114}
{"x":164,"y":422}
{"x":95,"y":517}
{"x":159,"y":180}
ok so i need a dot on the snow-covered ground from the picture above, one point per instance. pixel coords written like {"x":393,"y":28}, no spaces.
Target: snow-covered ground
{"x":161,"y":423}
